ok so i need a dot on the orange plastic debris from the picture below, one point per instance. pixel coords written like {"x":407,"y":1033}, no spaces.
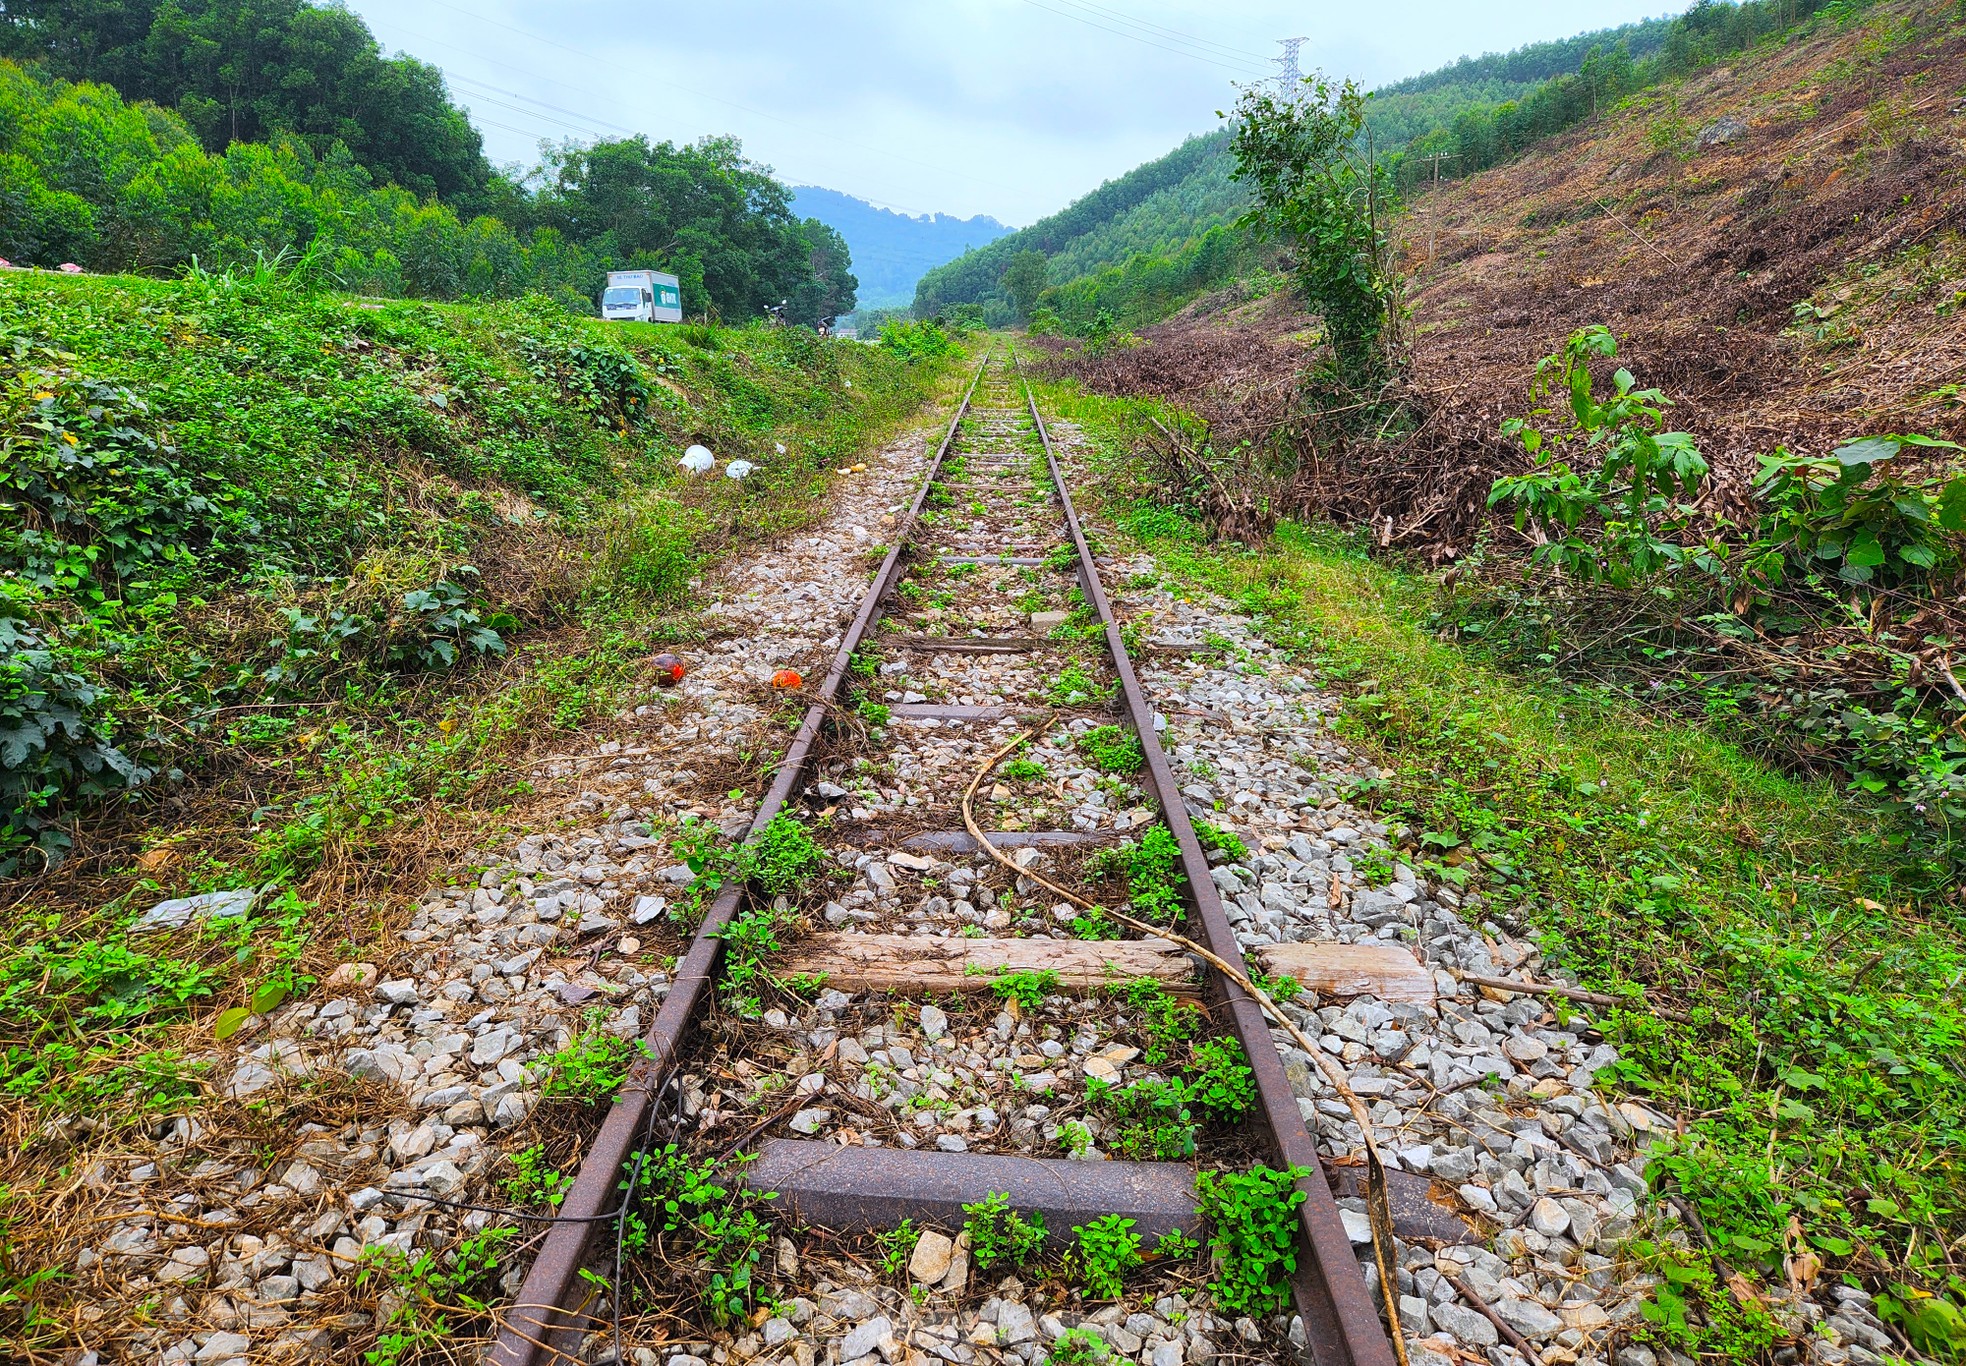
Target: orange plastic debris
{"x":669,"y":670}
{"x":787,"y":678}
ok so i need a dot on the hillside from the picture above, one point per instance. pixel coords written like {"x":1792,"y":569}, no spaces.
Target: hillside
{"x":892,"y":251}
{"x":1474,"y":113}
{"x":1156,"y":208}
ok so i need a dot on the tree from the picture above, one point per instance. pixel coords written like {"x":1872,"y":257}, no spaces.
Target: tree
{"x":829,"y":288}
{"x":1319,"y":187}
{"x":1023,"y":281}
{"x":245,"y":70}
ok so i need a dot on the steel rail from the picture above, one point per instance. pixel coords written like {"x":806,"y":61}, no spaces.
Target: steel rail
{"x":1329,"y":1291}
{"x":1341,"y":1325}
{"x":539,"y":1323}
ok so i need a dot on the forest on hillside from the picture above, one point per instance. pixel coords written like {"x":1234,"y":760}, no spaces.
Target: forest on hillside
{"x":156,"y":134}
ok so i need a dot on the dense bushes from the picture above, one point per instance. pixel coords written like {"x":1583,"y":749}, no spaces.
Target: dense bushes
{"x":1149,"y":287}
{"x":1815,"y":625}
{"x":248,"y":70}
{"x":112,"y":186}
{"x":225,"y":501}
{"x":1153,"y":209}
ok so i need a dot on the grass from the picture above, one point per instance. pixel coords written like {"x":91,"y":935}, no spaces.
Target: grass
{"x":339,"y":575}
{"x":1819,"y":1076}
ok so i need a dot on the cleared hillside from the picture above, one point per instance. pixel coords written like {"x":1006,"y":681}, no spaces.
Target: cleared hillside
{"x":1150,"y":224}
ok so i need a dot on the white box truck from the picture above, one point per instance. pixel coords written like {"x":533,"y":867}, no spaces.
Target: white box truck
{"x":642,"y":296}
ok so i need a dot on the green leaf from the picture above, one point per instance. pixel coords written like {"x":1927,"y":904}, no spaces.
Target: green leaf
{"x":268,"y":997}
{"x":230,"y":1022}
{"x":1868,"y":450}
{"x":1865,"y":551}
{"x":1952,"y":505}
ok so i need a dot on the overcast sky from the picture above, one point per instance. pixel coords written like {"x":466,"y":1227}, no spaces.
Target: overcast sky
{"x":1007,"y":107}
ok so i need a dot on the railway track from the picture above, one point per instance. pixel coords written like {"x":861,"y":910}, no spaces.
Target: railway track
{"x":985,"y":622}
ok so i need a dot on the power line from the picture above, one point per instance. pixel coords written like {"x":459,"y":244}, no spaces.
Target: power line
{"x":714,"y":99}
{"x":1175,"y":34}
{"x":587,"y":121}
{"x":1238,"y":68}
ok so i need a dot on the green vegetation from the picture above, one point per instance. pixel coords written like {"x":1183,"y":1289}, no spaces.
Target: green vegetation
{"x":1215,"y":839}
{"x":1149,"y":242}
{"x":926,"y":340}
{"x":1028,"y":988}
{"x":1841,"y":559}
{"x":1320,"y":187}
{"x":1798,"y":929}
{"x":1079,"y":1347}
{"x":1485,"y":132}
{"x":897,"y":1246}
{"x":1107,"y":1249}
{"x":783,"y":858}
{"x":430,"y":1290}
{"x":1222,"y":1084}
{"x":533,"y":1182}
{"x":1412,"y":108}
{"x":1022,"y":771}
{"x":288,"y":583}
{"x":1074,"y":687}
{"x":1113,"y":749}
{"x":1153,"y":209}
{"x":251,"y":70}
{"x":999,"y":1236}
{"x":593,"y":1065}
{"x":154,"y":136}
{"x":248,"y":514}
{"x":1157,"y":1119}
{"x":1252,"y":1219}
{"x":1154,"y":1122}
{"x":1150,"y":866}
{"x":1165,"y":1022}
{"x":700,"y":1231}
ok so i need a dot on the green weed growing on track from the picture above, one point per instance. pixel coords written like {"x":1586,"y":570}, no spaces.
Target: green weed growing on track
{"x":1107,"y":1249}
{"x":593,"y":1065}
{"x":1252,"y":1219}
{"x":1113,"y":749}
{"x":1150,"y":866}
{"x":1027,"y":988}
{"x":1000,"y":1236}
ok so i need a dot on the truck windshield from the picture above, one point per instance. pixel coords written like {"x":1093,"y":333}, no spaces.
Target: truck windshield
{"x":621,"y":296}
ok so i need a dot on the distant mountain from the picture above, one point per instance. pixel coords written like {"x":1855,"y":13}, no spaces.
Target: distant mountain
{"x":891,"y":251}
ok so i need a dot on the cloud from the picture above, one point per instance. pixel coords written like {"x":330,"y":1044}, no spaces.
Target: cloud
{"x":1007,"y":107}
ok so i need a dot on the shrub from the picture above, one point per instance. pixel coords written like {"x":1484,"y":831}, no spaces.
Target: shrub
{"x":56,"y":742}
{"x":1607,"y":492}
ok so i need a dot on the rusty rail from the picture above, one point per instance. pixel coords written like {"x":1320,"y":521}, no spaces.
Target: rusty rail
{"x":1329,"y":1291}
{"x":539,"y":1324}
{"x":1341,"y":1326}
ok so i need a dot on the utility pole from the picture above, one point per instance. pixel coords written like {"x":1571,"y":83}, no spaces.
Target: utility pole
{"x":1289,"y":75}
{"x":1433,"y":210}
